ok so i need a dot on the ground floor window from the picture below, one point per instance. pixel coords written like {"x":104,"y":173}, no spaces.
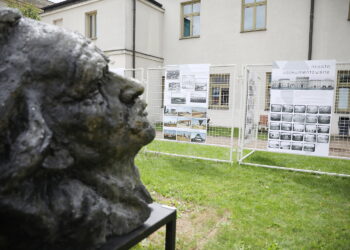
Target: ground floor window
{"x":219,"y":91}
{"x":342,"y":100}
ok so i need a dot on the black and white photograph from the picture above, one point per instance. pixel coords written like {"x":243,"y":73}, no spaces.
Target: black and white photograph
{"x":275,"y":117}
{"x":324,"y":109}
{"x":286,"y":126}
{"x":275,"y":126}
{"x":324,"y":119}
{"x":200,"y":86}
{"x":288,"y":108}
{"x":172,"y":74}
{"x":298,"y":127}
{"x":322,"y":138}
{"x":321,"y":129}
{"x":183,"y":122}
{"x":311,"y":119}
{"x":188,"y":82}
{"x":286,"y":136}
{"x":198,"y":137}
{"x":170,"y":121}
{"x":169,"y":110}
{"x":298,"y":137}
{"x":299,"y":118}
{"x":287,"y":117}
{"x":274,"y":144}
{"x":274,"y":135}
{"x":183,"y":136}
{"x":276,"y":108}
{"x":285,"y":145}
{"x":312,"y":109}
{"x":310,"y":128}
{"x":178,"y":100}
{"x":297,"y":146}
{"x":184,"y":111}
{"x":299,"y":108}
{"x":310,"y":138}
{"x":198,"y":99}
{"x":308,"y":147}
{"x":169,"y":134}
{"x":199,"y":112}
{"x":174,"y":86}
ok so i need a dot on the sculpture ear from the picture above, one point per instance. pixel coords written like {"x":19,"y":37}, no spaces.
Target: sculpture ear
{"x":9,"y":17}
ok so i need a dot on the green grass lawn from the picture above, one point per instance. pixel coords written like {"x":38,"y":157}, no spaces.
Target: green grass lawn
{"x":224,"y":206}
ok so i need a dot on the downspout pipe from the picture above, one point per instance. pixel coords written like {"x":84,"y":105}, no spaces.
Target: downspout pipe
{"x":311,"y":29}
{"x":133,"y":37}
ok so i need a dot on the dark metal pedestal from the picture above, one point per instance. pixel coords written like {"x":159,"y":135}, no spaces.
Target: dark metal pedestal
{"x":160,"y":216}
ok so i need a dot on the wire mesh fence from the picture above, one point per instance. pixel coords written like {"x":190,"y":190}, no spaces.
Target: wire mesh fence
{"x":221,"y":125}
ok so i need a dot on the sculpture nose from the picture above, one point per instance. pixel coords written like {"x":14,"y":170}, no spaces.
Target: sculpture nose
{"x":131,"y":92}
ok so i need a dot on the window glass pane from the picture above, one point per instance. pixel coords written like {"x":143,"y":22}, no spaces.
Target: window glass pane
{"x":90,"y":26}
{"x":258,"y":1}
{"x":260,"y":16}
{"x":224,"y":96}
{"x":197,"y":7}
{"x":344,"y":77}
{"x":343,"y":102}
{"x":196,"y":25}
{"x":248,"y":18}
{"x":249,"y":1}
{"x":187,"y":26}
{"x":215,"y":91}
{"x":187,"y":9}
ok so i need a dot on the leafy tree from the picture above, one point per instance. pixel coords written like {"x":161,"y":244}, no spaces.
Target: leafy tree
{"x":27,"y":9}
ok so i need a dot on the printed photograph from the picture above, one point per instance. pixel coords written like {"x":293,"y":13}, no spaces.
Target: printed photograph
{"x":274,"y":135}
{"x":275,"y":117}
{"x":169,"y":134}
{"x":287,"y":117}
{"x":198,"y":98}
{"x":299,"y":127}
{"x":286,"y":136}
{"x":322,"y":138}
{"x":324,"y":119}
{"x":173,"y":74}
{"x":323,"y":129}
{"x":310,"y":128}
{"x":169,"y":110}
{"x":183,"y":136}
{"x":286,"y":126}
{"x":312,"y":109}
{"x":287,"y":108}
{"x":198,"y":137}
{"x":298,"y":137}
{"x":183,"y":122}
{"x":275,"y":126}
{"x":274,"y":144}
{"x":188,"y":82}
{"x":178,"y":99}
{"x":276,"y":108}
{"x":299,"y":108}
{"x":297,"y":146}
{"x":311,"y":119}
{"x":199,"y":123}
{"x":285,"y":145}
{"x":184,"y":111}
{"x":174,"y":86}
{"x":299,"y":118}
{"x":310,"y":138}
{"x":170,"y":121}
{"x":309,"y":147}
{"x":199,"y":112}
{"x":325,"y":109}
{"x":200,"y":86}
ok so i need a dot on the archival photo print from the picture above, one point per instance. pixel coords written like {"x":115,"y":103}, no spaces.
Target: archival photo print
{"x":310,"y":138}
{"x":298,"y":137}
{"x":199,"y":123}
{"x":276,"y":108}
{"x":201,"y":86}
{"x":298,"y":127}
{"x":172,"y":74}
{"x":274,"y":135}
{"x":285,"y":145}
{"x":286,"y":136}
{"x":324,"y":119}
{"x":174,"y":86}
{"x":310,"y":128}
{"x":275,"y":126}
{"x":325,"y":109}
{"x":178,"y":99}
{"x":198,"y":137}
{"x":183,"y":136}
{"x":183,"y":122}
{"x":311,"y":119}
{"x":312,"y":109}
{"x":286,"y":126}
{"x":299,"y":108}
{"x":308,"y":147}
{"x":184,"y":111}
{"x":198,"y":97}
{"x":287,"y":117}
{"x":322,"y":138}
{"x":188,"y":82}
{"x":299,"y":118}
{"x":169,"y":134}
{"x":275,"y":117}
{"x":297,"y":146}
{"x":169,"y":110}
{"x":198,"y":112}
{"x":322,"y":129}
{"x":274,"y":144}
{"x":170,"y":121}
{"x":288,"y":108}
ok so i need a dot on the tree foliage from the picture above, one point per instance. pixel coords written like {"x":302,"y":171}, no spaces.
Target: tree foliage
{"x":27,"y":9}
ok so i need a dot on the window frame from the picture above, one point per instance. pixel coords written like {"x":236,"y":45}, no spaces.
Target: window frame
{"x":91,"y":33}
{"x":268,"y":91}
{"x":192,"y":14}
{"x":342,"y":85}
{"x":221,"y":86}
{"x":253,"y":5}
{"x":349,"y":12}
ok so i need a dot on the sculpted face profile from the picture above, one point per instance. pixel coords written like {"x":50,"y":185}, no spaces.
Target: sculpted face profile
{"x":69,"y":132}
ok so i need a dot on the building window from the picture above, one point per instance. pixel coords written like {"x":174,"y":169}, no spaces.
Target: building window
{"x":58,"y":22}
{"x":91,"y":25}
{"x":219,"y":91}
{"x":253,"y":15}
{"x":190,"y":19}
{"x":349,"y":12}
{"x":268,"y":91}
{"x":342,"y":100}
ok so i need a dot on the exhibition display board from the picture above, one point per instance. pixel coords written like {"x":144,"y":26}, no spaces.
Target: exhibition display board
{"x":186,"y":102}
{"x":302,"y":94}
